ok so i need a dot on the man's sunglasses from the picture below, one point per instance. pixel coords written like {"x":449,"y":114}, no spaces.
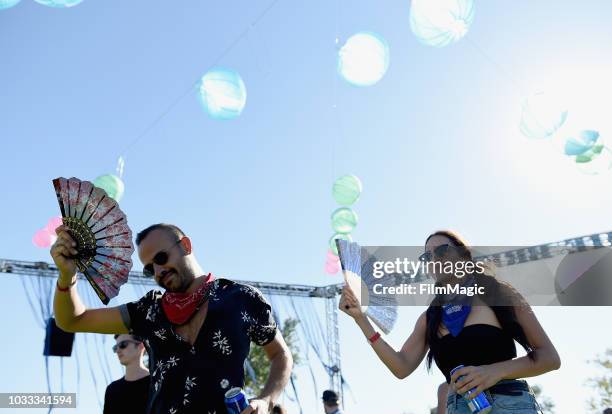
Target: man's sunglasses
{"x":160,"y":259}
{"x":123,"y":344}
{"x":441,"y":250}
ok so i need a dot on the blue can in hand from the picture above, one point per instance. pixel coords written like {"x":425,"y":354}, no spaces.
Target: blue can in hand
{"x":479,"y":404}
{"x":235,"y":401}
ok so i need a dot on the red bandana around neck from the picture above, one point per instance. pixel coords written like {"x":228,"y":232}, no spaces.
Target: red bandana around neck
{"x":179,"y":306}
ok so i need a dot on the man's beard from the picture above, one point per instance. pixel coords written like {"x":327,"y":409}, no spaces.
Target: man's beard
{"x":176,"y":274}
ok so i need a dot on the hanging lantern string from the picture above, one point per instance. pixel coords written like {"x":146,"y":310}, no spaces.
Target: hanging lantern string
{"x":120,"y":167}
{"x":335,"y":113}
{"x":488,"y":57}
{"x":216,"y":61}
{"x":502,"y":70}
{"x":334,"y":106}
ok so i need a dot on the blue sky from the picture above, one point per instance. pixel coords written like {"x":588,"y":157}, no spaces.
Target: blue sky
{"x":435,"y":143}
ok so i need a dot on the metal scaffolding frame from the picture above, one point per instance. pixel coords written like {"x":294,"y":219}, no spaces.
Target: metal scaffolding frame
{"x":329,"y":293}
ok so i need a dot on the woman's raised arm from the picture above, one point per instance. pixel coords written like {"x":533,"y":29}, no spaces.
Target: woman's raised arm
{"x":401,"y":363}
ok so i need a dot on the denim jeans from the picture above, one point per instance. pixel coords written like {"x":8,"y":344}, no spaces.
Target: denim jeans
{"x":502,"y":404}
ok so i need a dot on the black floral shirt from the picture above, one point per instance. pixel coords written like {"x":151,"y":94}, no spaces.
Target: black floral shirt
{"x":193,"y":379}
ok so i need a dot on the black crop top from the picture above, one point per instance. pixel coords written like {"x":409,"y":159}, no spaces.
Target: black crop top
{"x":478,"y":344}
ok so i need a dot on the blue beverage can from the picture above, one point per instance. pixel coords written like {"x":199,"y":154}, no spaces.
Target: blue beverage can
{"x":235,"y":400}
{"x":479,"y":404}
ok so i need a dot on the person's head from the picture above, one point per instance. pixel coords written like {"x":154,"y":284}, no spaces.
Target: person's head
{"x":278,"y":409}
{"x":166,"y":254}
{"x":607,"y":411}
{"x":445,"y":246}
{"x":330,"y":400}
{"x":129,"y":349}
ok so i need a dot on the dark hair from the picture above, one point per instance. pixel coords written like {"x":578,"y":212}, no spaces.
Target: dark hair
{"x":455,"y":238}
{"x":159,"y":226}
{"x":134,"y":337}
{"x":278,"y":409}
{"x":497,"y":292}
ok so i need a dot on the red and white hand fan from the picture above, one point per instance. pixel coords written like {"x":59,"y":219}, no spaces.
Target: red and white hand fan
{"x":100,"y":230}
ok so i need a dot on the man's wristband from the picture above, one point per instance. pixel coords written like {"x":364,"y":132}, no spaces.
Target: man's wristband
{"x":374,"y":338}
{"x":66,"y":289}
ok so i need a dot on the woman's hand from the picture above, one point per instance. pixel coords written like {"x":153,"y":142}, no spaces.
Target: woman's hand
{"x":481,"y":378}
{"x":349,"y":303}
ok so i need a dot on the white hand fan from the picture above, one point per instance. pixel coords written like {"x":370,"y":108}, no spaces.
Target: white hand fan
{"x":381,"y":309}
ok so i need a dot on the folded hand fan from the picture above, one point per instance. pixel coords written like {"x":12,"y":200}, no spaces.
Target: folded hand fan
{"x":101,"y":232}
{"x":359,"y":275}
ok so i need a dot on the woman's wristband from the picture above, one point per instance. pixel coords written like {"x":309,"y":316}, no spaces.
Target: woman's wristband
{"x":374,"y":338}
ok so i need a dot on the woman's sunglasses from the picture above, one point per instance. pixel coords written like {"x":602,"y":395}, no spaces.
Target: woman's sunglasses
{"x":123,"y":344}
{"x":441,"y":250}
{"x":160,"y":259}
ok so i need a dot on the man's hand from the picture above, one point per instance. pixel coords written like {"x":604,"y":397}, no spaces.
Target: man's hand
{"x":257,"y":406}
{"x":281,"y":362}
{"x":62,"y":252}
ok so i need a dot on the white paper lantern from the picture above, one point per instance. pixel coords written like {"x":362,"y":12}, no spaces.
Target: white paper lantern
{"x":364,"y":59}
{"x":439,"y":23}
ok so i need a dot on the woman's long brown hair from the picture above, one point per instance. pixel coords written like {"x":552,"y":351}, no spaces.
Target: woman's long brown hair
{"x":496,"y":291}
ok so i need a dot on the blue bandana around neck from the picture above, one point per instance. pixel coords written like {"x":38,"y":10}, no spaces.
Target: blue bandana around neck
{"x":454,"y":316}
{"x":457,"y":307}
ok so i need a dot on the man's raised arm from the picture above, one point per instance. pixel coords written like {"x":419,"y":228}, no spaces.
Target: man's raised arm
{"x":70,"y":313}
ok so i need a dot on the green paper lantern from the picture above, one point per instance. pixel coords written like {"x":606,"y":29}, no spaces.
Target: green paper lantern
{"x":346,"y":190}
{"x":597,"y":149}
{"x":344,"y":220}
{"x":112,"y":184}
{"x":583,"y":158}
{"x":332,"y":241}
{"x":595,"y":161}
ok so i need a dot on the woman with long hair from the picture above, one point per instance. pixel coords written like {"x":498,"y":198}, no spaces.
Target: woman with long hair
{"x":477,"y":332}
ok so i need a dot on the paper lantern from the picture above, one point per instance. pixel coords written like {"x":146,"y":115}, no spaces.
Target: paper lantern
{"x":43,"y":239}
{"x":332,"y":241}
{"x":346,"y":190}
{"x":439,"y":23}
{"x":53,"y":224}
{"x":364,"y":59}
{"x":542,"y":116}
{"x":344,"y":220}
{"x":112,"y":184}
{"x":7,"y":4}
{"x":222,"y":93}
{"x":597,"y":160}
{"x":60,"y":4}
{"x":332,"y":268}
{"x":584,"y":142}
{"x":589,"y":152}
{"x":331,"y":256}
